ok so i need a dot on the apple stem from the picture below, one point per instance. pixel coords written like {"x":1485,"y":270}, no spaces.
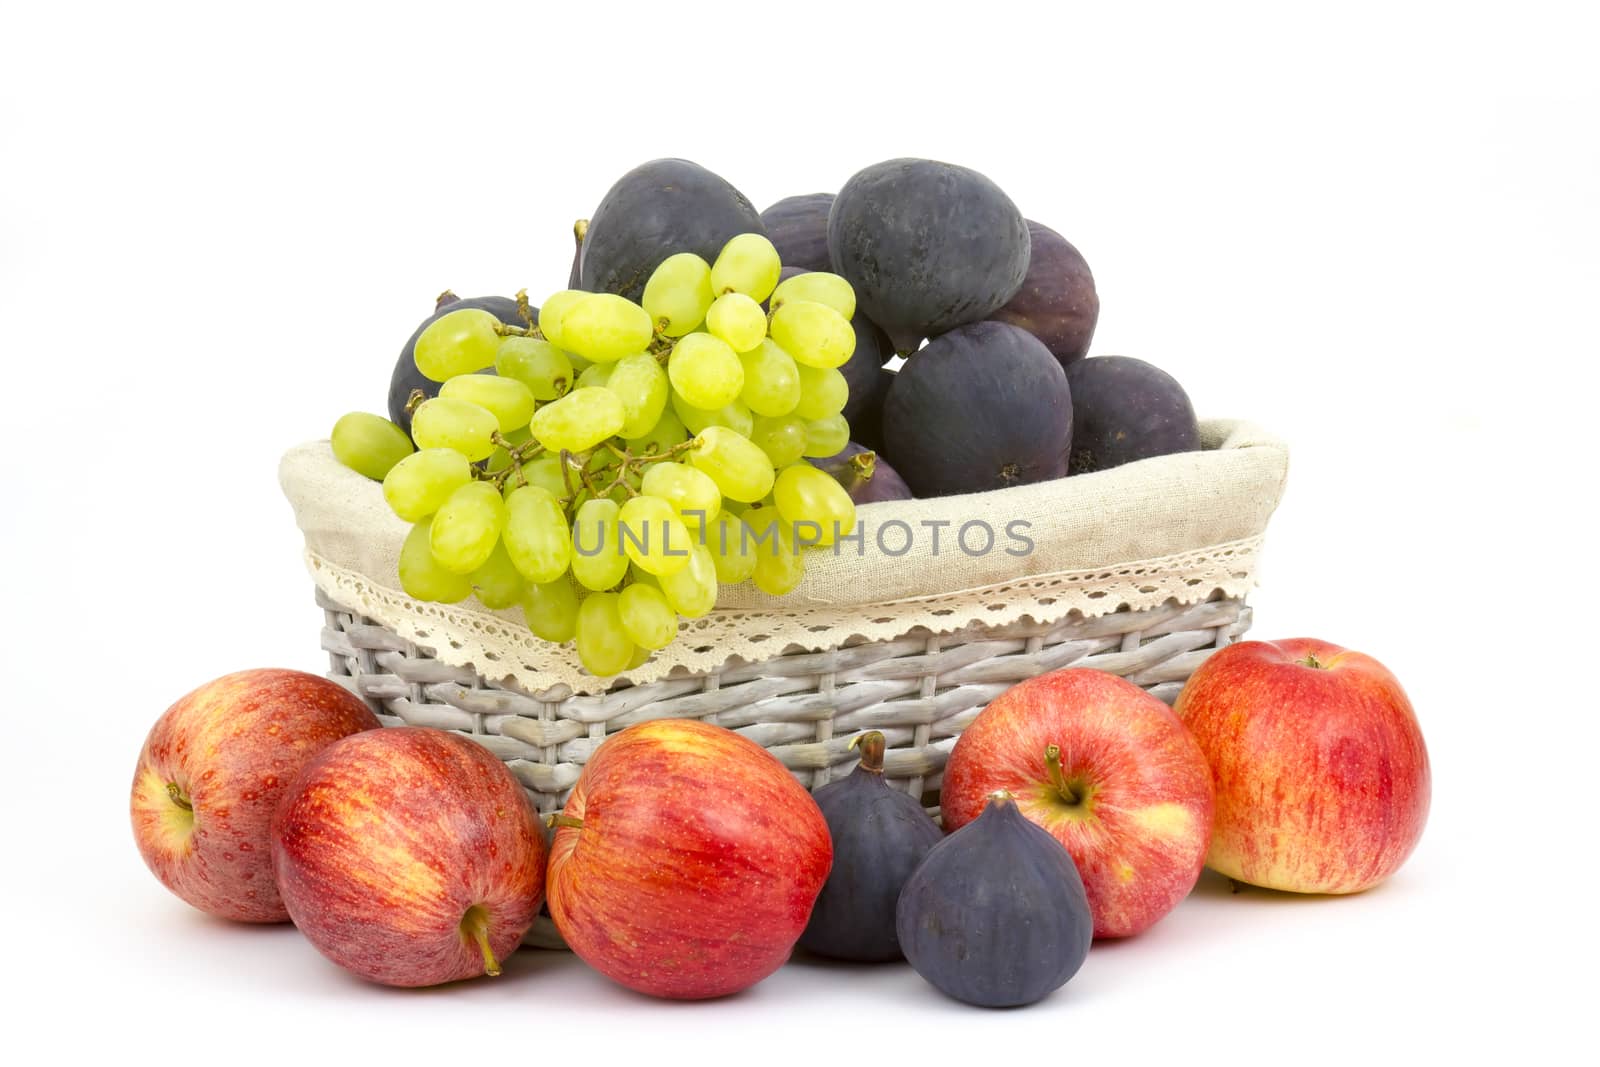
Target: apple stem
{"x":872,"y":744}
{"x":178,"y":797}
{"x":1312,"y":662}
{"x":1058,"y":780}
{"x":561,"y":818}
{"x":475,"y":925}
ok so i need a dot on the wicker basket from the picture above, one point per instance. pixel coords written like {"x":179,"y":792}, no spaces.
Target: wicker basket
{"x":920,"y":686}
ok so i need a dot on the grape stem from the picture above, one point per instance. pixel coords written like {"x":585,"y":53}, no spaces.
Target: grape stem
{"x":414,"y":401}
{"x":525,"y":309}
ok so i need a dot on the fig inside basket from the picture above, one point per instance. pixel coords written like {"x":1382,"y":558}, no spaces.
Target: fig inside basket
{"x":1141,"y":571}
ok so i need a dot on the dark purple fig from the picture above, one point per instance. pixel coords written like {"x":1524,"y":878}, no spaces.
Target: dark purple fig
{"x":406,"y":377}
{"x":864,"y":475}
{"x":797,"y":226}
{"x":982,"y":407}
{"x":1057,"y":302}
{"x":928,"y":246}
{"x":575,"y":276}
{"x":655,"y":210}
{"x":880,"y":835}
{"x":996,"y":914}
{"x":1124,"y":409}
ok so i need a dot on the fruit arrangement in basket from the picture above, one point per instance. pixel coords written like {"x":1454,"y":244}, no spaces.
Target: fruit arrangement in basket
{"x":710,"y":399}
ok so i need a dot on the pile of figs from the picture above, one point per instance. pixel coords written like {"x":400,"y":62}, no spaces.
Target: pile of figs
{"x":973,"y":323}
{"x":994,"y":914}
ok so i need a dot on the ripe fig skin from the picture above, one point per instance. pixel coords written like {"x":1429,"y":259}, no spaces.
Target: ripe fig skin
{"x":654,"y":211}
{"x":996,"y":915}
{"x":798,"y":227}
{"x":1124,"y":409}
{"x":880,"y":835}
{"x":407,"y":377}
{"x":982,"y":407}
{"x":928,"y":246}
{"x":1057,"y":303}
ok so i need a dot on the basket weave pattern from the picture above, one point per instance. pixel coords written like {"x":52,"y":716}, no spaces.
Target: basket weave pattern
{"x":804,"y":707}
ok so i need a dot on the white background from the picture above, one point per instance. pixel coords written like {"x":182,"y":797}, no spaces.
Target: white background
{"x":1373,"y":231}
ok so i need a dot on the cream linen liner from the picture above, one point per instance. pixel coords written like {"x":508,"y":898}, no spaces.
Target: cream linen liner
{"x":1176,"y":528}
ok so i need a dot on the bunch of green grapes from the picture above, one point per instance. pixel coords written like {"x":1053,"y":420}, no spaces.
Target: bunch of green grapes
{"x":625,"y":460}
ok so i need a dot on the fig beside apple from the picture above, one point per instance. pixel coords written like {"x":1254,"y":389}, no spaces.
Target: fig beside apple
{"x":1109,"y":771}
{"x":996,"y":914}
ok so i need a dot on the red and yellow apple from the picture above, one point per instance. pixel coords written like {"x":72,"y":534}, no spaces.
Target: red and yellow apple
{"x":1321,"y":775}
{"x":1106,"y":768}
{"x":409,"y":856}
{"x":213,"y":769}
{"x":687,"y":861}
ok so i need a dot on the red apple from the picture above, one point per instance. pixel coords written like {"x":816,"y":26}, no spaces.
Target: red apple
{"x":687,"y":861}
{"x":1110,"y":771}
{"x":410,"y":856}
{"x":1321,"y":776}
{"x":211,"y":773}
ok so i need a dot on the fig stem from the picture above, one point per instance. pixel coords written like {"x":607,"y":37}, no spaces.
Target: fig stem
{"x":580,"y":229}
{"x":444,"y":300}
{"x":872,"y":745}
{"x":475,"y":926}
{"x":178,"y":796}
{"x":1058,"y":780}
{"x":562,"y":819}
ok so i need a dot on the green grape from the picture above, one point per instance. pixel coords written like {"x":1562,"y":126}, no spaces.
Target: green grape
{"x":603,"y":645}
{"x":553,"y":312}
{"x":467,"y":528}
{"x":732,"y":550}
{"x":819,"y":287}
{"x":738,"y":320}
{"x":803,"y":493}
{"x":827,"y":437}
{"x":823,"y":392}
{"x":668,"y":431}
{"x":771,"y":380}
{"x":814,"y":334}
{"x":551,"y":610}
{"x":536,"y":534}
{"x":458,"y":343}
{"x":747,"y":264}
{"x":508,"y":400}
{"x":653,"y":536}
{"x":692,"y":591}
{"x":741,"y":470}
{"x":641,"y":656}
{"x":783,"y":439}
{"x":369,"y":444}
{"x":691,"y":492}
{"x":641,"y":385}
{"x":734,"y":416}
{"x":418,"y":485}
{"x":598,"y":560}
{"x":498,"y":583}
{"x":779,"y":564}
{"x":420,"y":574}
{"x":604,"y":327}
{"x":450,"y":422}
{"x":639,"y":576}
{"x":646,"y":616}
{"x":541,"y":471}
{"x":578,"y":421}
{"x":538,"y":364}
{"x":595,"y":376}
{"x":705,"y":371}
{"x":678,"y":293}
